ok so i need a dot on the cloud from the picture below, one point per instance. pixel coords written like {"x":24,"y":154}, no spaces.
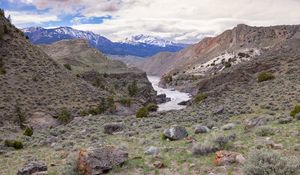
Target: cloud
{"x":24,"y":18}
{"x":183,"y":21}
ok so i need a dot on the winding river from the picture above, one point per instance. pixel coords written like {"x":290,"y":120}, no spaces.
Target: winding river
{"x":176,"y":96}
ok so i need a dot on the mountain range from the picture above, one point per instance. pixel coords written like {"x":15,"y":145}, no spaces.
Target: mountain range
{"x":139,"y":45}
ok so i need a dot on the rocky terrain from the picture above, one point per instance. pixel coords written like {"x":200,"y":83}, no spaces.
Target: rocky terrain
{"x":242,"y":120}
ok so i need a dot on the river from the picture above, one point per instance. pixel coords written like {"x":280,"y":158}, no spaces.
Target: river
{"x":176,"y":96}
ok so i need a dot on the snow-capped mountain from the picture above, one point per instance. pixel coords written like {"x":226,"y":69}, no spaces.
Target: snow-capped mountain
{"x":141,"y":46}
{"x":147,"y":39}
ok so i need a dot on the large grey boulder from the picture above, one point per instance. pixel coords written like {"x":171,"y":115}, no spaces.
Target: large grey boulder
{"x":32,"y":167}
{"x":175,"y":133}
{"x":94,"y":161}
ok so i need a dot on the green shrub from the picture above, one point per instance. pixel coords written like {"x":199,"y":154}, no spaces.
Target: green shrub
{"x":265,"y":131}
{"x":227,"y":64}
{"x":295,"y":111}
{"x":126,"y":102}
{"x":132,"y":89}
{"x":28,"y":131}
{"x":265,"y":76}
{"x":142,"y":112}
{"x":64,"y":116}
{"x":68,"y":66}
{"x":200,"y":97}
{"x":263,"y":162}
{"x":14,"y":143}
{"x":152,"y":107}
{"x":168,"y":78}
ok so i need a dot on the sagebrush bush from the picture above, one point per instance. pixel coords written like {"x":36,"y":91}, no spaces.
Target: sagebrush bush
{"x":28,"y":131}
{"x":295,"y":111}
{"x":152,"y":107}
{"x":1,"y":31}
{"x":2,"y":70}
{"x":268,"y":162}
{"x":265,"y":131}
{"x":14,"y":143}
{"x":167,"y":78}
{"x":200,"y":97}
{"x":126,"y":102}
{"x":64,"y":116}
{"x":224,"y":142}
{"x":68,"y":66}
{"x":133,"y":89}
{"x":142,"y":112}
{"x":265,"y":76}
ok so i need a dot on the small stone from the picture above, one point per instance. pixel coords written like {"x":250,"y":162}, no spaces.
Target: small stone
{"x":228,"y":126}
{"x":152,"y":151}
{"x":219,"y":110}
{"x":158,"y":164}
{"x":278,"y":146}
{"x":227,"y":157}
{"x":201,"y":129}
{"x":297,"y":147}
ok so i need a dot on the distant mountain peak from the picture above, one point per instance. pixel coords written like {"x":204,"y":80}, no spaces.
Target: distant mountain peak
{"x":148,"y":39}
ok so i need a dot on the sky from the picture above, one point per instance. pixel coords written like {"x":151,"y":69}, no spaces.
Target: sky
{"x":184,"y":21}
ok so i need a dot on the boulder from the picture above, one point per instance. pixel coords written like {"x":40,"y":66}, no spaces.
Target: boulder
{"x":111,"y":128}
{"x":33,"y":167}
{"x":100,"y":160}
{"x":175,"y":133}
{"x":201,"y":129}
{"x":227,"y":157}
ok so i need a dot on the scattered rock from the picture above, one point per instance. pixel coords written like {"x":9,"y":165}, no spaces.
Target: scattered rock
{"x":33,"y":167}
{"x":201,"y":129}
{"x":175,"y":133}
{"x":219,"y":110}
{"x":285,"y":120}
{"x":152,"y":151}
{"x":111,"y":128}
{"x":297,"y":147}
{"x":227,"y":157}
{"x":228,"y":126}
{"x":184,"y":103}
{"x":100,"y":160}
{"x":158,"y":164}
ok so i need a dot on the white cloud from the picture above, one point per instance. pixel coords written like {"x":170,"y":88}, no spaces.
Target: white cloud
{"x":24,"y":18}
{"x":185,"y":21}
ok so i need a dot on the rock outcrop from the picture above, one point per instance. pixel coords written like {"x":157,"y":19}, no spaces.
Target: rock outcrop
{"x":100,"y":160}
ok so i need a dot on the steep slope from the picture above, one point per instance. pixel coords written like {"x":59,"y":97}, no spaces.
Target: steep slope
{"x":104,"y":73}
{"x":32,"y":82}
{"x":40,"y":35}
{"x":82,"y":57}
{"x":246,"y":40}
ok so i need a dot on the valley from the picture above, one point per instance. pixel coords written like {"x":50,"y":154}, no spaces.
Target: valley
{"x":73,"y":102}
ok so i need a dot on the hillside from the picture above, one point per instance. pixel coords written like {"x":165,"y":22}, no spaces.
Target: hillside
{"x":32,"y":82}
{"x":244,"y":40}
{"x":141,"y":47}
{"x":104,"y":73}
